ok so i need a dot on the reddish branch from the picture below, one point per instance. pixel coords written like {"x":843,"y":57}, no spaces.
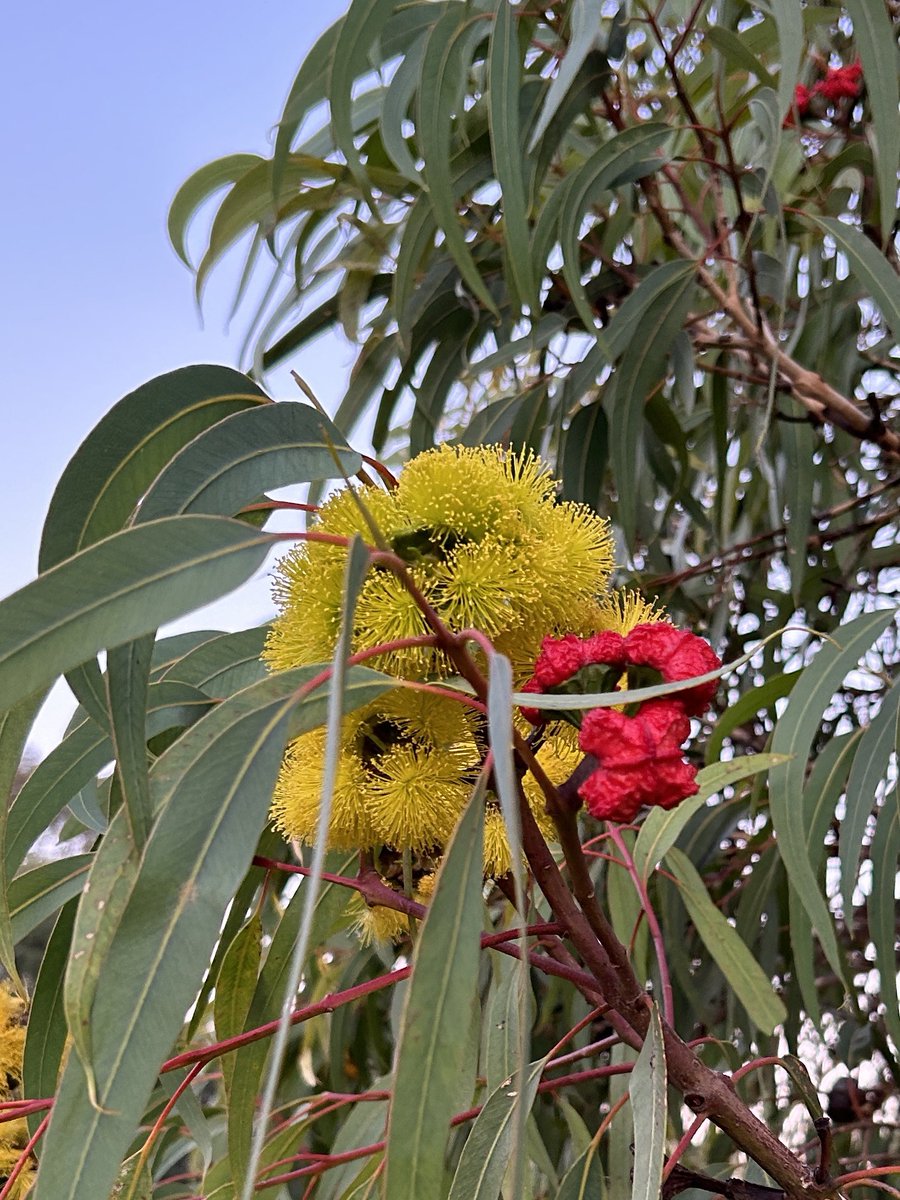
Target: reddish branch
{"x":325,"y":1162}
{"x":705,"y":1092}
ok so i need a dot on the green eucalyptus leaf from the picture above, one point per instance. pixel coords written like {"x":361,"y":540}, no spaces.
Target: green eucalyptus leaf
{"x":876,"y":37}
{"x":211,"y":791}
{"x":743,"y":973}
{"x":118,"y":589}
{"x":647,"y":1089}
{"x":438,"y":1003}
{"x":230,"y":464}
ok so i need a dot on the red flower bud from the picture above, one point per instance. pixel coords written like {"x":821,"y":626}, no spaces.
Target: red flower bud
{"x":840,"y":83}
{"x":640,"y":760}
{"x":676,"y":654}
{"x":802,"y":97}
{"x":559,"y":659}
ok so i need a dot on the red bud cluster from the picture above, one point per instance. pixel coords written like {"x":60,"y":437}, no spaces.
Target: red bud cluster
{"x":639,"y":756}
{"x":839,"y":83}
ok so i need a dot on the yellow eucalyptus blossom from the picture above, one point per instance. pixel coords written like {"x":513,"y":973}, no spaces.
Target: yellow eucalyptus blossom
{"x":489,"y":546}
{"x":386,"y":612}
{"x":404,"y":774}
{"x":298,"y":792}
{"x":425,"y":887}
{"x":13,"y":1134}
{"x":473,"y":491}
{"x":12,"y":1040}
{"x":375,"y":924}
{"x":558,"y":756}
{"x":497,"y":853}
{"x":483,"y":537}
{"x":488,"y":585}
{"x":9,"y":1156}
{"x":622,"y":610}
{"x":416,"y":795}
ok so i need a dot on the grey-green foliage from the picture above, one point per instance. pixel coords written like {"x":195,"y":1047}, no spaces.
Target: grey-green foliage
{"x":538,"y":229}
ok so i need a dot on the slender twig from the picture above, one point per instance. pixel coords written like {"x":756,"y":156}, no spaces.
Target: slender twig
{"x":865,"y":1173}
{"x":160,"y":1122}
{"x":23,"y":1158}
{"x":326,"y":1162}
{"x":659,"y":945}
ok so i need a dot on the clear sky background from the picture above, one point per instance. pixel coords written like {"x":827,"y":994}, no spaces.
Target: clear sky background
{"x":107,"y":108}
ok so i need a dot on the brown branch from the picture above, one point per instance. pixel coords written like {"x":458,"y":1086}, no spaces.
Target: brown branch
{"x":681,"y":1179}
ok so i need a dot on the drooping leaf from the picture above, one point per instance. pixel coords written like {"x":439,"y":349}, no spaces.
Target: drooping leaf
{"x":438,"y":1002}
{"x":212,"y":791}
{"x":46,"y":1035}
{"x":876,"y":38}
{"x":14,"y":727}
{"x":128,"y":689}
{"x":870,"y":270}
{"x":627,"y":156}
{"x":501,"y":734}
{"x":501,"y":1045}
{"x":308,"y":88}
{"x":504,"y":87}
{"x":870,"y":768}
{"x":661,"y":310}
{"x":360,"y":27}
{"x":235,"y":985}
{"x":487,"y":1154}
{"x":881,"y":907}
{"x":793,"y":737}
{"x":756,"y":700}
{"x":265,"y":1005}
{"x":118,"y":589}
{"x":741,"y":970}
{"x":788,"y":15}
{"x":647,"y":1089}
{"x":447,"y":53}
{"x":660,"y":829}
{"x":197,"y":189}
{"x":356,"y":567}
{"x":584,"y":1179}
{"x":586,"y":16}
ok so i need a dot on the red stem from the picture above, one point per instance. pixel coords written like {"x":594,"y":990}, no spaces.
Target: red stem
{"x":326,"y":1005}
{"x":23,"y":1159}
{"x":659,"y":945}
{"x":336,"y":1160}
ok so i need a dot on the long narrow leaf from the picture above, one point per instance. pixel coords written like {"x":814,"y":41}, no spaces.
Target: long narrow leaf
{"x":116,"y":590}
{"x":14,"y":727}
{"x":647,"y":1089}
{"x":439,"y":1002}
{"x":793,"y":737}
{"x":876,"y":37}
{"x":489,"y":1149}
{"x":870,"y":768}
{"x":356,"y":568}
{"x":504,"y":87}
{"x":743,"y":973}
{"x":212,"y":790}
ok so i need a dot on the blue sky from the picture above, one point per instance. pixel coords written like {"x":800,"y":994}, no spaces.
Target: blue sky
{"x":107,"y":109}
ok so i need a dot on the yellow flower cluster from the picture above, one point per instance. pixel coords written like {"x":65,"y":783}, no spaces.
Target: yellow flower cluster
{"x":489,"y":546}
{"x":13,"y":1134}
{"x":486,"y":542}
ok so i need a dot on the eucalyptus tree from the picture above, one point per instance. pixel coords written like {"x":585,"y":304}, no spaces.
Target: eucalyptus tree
{"x":498,"y":933}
